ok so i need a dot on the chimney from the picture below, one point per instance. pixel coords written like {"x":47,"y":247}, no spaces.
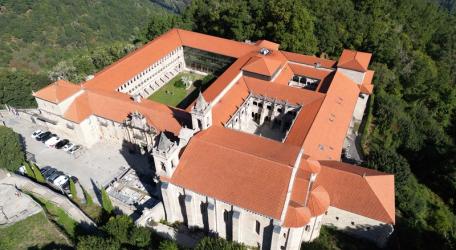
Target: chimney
{"x":136,"y":98}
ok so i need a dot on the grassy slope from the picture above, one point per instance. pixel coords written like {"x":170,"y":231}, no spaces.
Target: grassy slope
{"x":36,"y":230}
{"x":38,"y":34}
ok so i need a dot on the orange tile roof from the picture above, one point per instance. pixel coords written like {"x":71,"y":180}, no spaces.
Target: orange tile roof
{"x":101,"y":103}
{"x":113,"y":76}
{"x":326,"y":136}
{"x":309,"y":71}
{"x":285,"y":75}
{"x":359,"y":190}
{"x":281,"y":92}
{"x":263,"y":65}
{"x":303,"y":123}
{"x":236,"y":172}
{"x":267,"y":44}
{"x":230,"y":102}
{"x":354,"y":60}
{"x":297,"y":215}
{"x":57,"y":91}
{"x":309,"y":60}
{"x":367,"y":87}
{"x":214,"y":44}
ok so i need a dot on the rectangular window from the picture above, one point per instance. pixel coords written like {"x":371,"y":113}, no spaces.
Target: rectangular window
{"x":163,"y":167}
{"x":257,"y":227}
{"x":307,"y":228}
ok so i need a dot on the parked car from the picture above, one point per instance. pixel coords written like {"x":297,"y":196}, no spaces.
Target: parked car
{"x":75,"y":179}
{"x":67,"y":147}
{"x":36,"y":133}
{"x":74,"y":149}
{"x":44,"y":169}
{"x":61,"y":143}
{"x":52,"y":141}
{"x":54,"y":176}
{"x":43,"y":136}
{"x":59,"y":181}
{"x":48,"y":173}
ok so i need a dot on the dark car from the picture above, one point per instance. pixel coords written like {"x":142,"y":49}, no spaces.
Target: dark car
{"x":44,"y":169}
{"x":61,"y":143}
{"x":43,"y":135}
{"x":46,"y":137}
{"x":49,"y":172}
{"x":54,"y":176}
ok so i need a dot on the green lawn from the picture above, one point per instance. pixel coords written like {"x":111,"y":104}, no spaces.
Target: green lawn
{"x":174,"y":93}
{"x":35,"y":231}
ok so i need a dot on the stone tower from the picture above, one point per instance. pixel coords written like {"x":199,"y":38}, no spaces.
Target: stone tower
{"x":201,"y":114}
{"x":166,"y":156}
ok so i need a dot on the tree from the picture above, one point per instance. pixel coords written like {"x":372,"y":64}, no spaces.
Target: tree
{"x":17,"y":87}
{"x":168,"y":245}
{"x":106,"y":201}
{"x":11,"y":154}
{"x":73,"y":191}
{"x":218,"y":243}
{"x":36,"y":171}
{"x":28,"y":170}
{"x":95,"y":242}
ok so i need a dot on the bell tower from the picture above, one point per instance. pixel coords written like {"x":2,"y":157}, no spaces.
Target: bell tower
{"x":166,"y":156}
{"x":201,"y":114}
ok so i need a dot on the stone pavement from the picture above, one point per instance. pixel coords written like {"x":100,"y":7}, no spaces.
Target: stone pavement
{"x":15,"y":206}
{"x":96,"y":166}
{"x":61,"y":201}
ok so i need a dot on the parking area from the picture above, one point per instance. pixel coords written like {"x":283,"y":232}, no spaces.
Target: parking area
{"x":95,"y":166}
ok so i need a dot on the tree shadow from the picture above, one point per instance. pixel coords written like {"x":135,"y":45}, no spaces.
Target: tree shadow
{"x":97,"y":191}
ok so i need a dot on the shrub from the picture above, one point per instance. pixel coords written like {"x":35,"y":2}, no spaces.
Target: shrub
{"x":168,"y":245}
{"x":38,"y":176}
{"x":73,"y":191}
{"x":218,"y":243}
{"x":106,"y":201}
{"x":28,"y":171}
{"x":87,"y":197}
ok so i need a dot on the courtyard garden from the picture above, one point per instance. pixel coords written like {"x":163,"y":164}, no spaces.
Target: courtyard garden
{"x":182,"y":90}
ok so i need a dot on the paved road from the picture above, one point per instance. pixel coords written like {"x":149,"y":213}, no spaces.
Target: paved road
{"x":27,"y":185}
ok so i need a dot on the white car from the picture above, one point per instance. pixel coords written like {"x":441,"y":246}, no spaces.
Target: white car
{"x":36,"y":133}
{"x":59,"y":181}
{"x":68,"y":147}
{"x":52,"y":141}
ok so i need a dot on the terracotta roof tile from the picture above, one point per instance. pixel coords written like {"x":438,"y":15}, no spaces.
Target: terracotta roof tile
{"x":297,"y":215}
{"x":214,"y":44}
{"x":309,"y":60}
{"x":234,"y":173}
{"x":309,"y":71}
{"x":101,"y":103}
{"x":326,"y":136}
{"x":57,"y":91}
{"x":354,"y":60}
{"x":359,"y":190}
{"x":267,"y":44}
{"x":266,"y":65}
{"x":366,"y":87}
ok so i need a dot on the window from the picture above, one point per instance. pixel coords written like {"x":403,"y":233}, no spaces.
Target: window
{"x":255,"y":103}
{"x":279,"y":110}
{"x":269,"y":107}
{"x":353,"y":223}
{"x":326,"y":213}
{"x":260,"y":105}
{"x":307,"y":228}
{"x":257,"y":227}
{"x":337,"y":218}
